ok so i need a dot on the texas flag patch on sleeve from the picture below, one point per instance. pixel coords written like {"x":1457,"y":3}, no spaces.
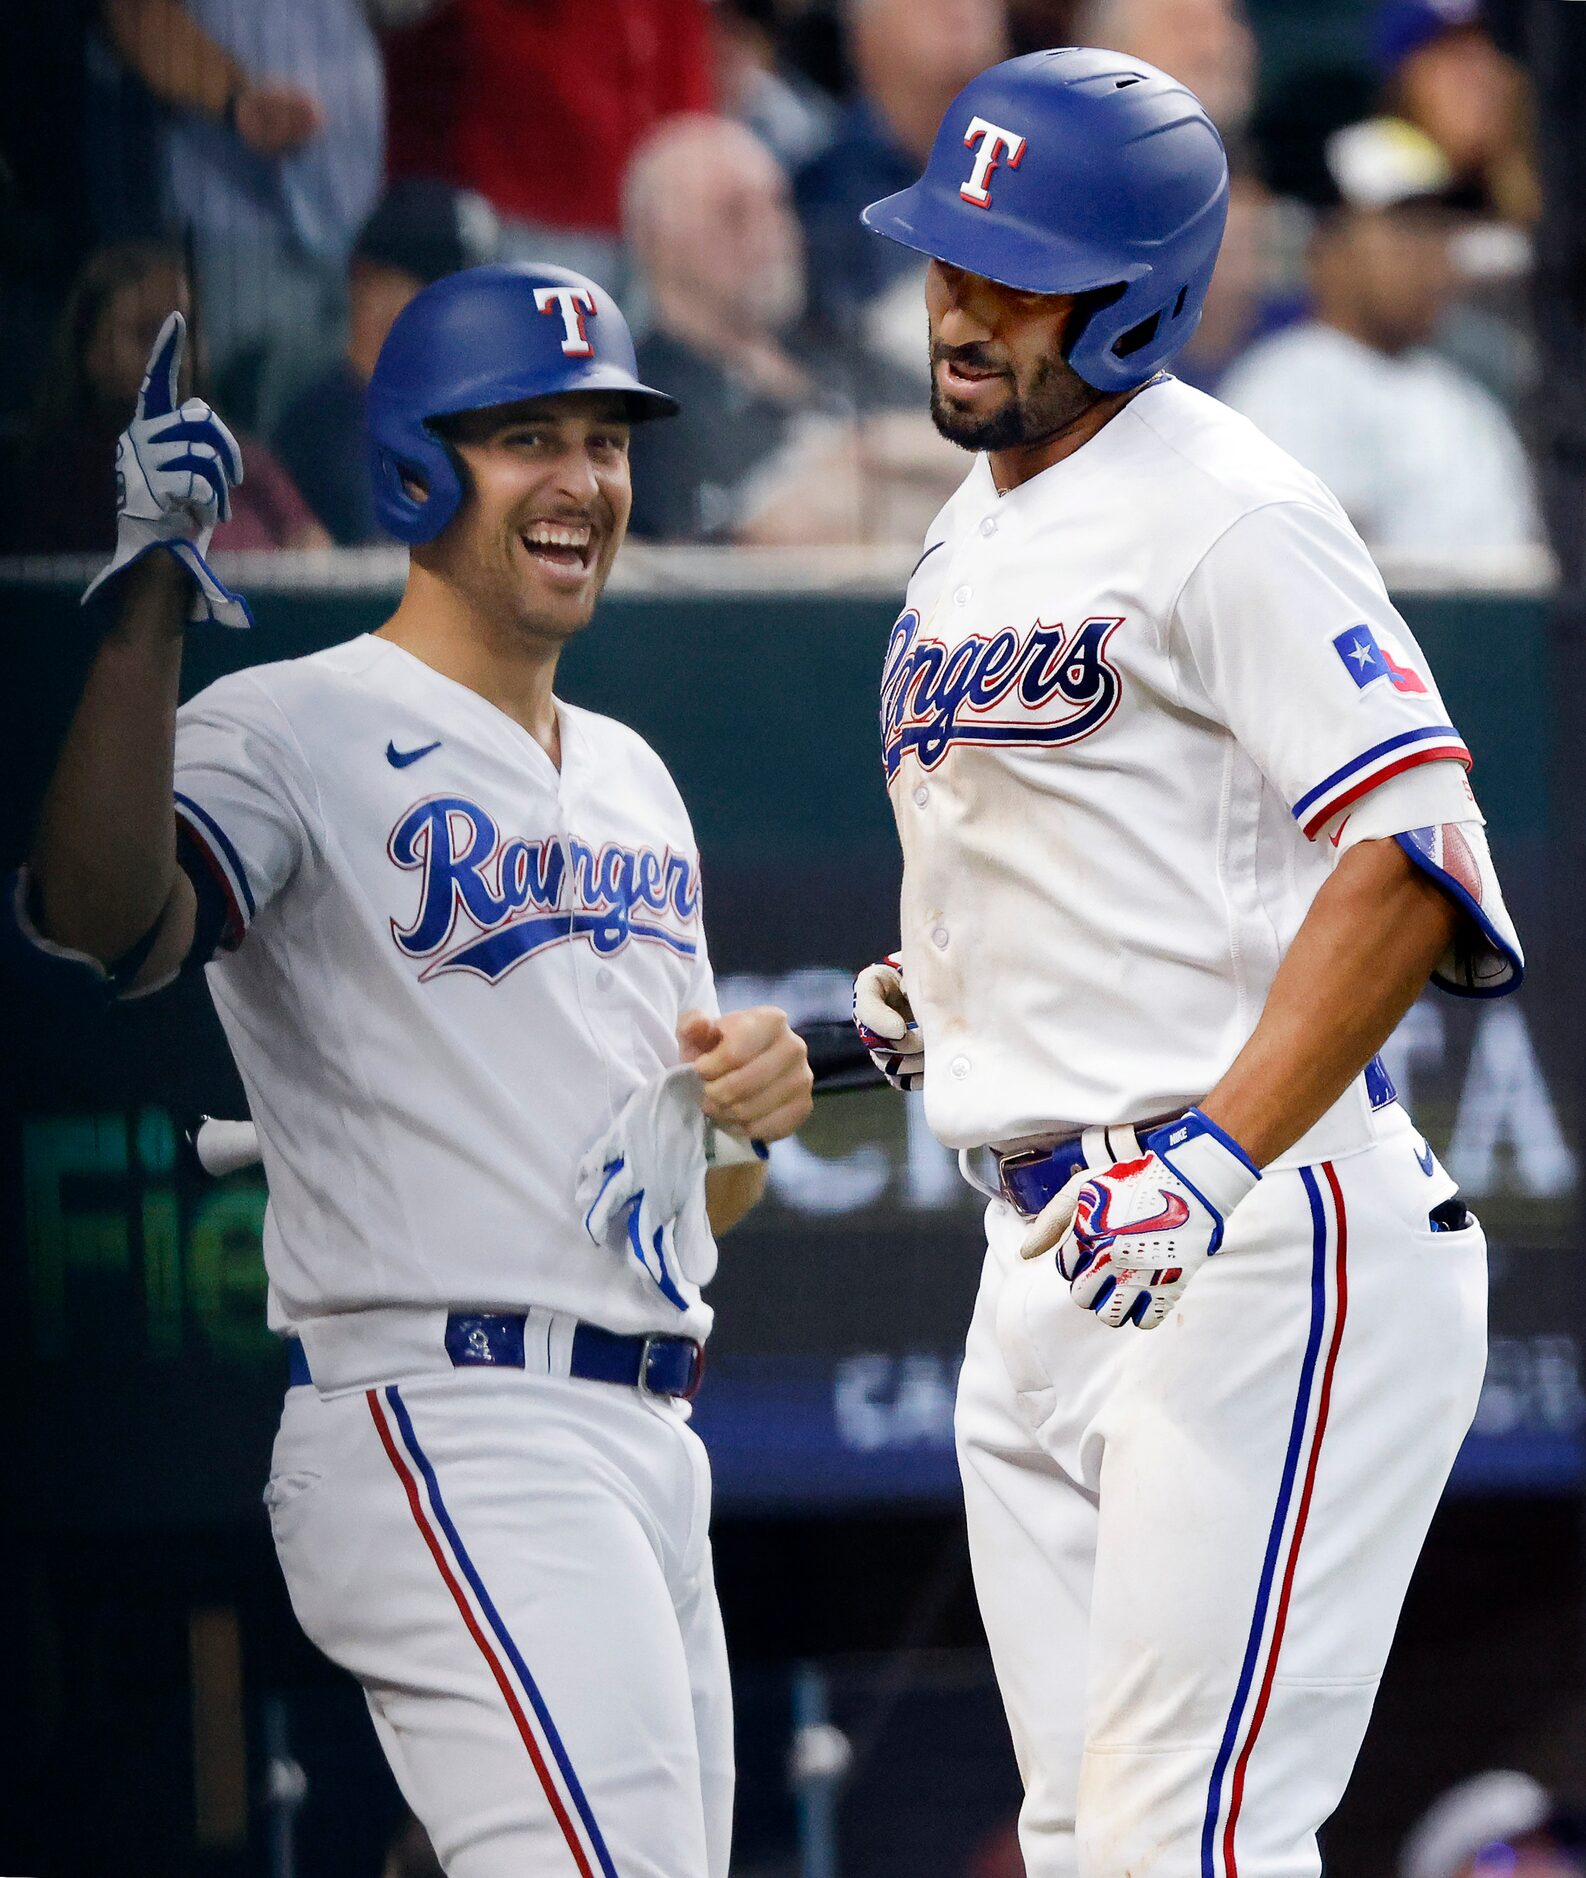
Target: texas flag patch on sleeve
{"x":1366,"y":659}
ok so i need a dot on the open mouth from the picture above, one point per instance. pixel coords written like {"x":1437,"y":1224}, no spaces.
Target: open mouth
{"x":964,"y":380}
{"x":565,"y":547}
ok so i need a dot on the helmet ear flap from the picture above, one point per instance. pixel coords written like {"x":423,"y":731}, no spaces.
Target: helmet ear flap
{"x":1086,"y":307}
{"x":427,"y":460}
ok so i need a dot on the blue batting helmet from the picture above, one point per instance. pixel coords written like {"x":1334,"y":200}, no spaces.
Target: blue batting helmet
{"x":489,"y":335}
{"x":1066,"y":171}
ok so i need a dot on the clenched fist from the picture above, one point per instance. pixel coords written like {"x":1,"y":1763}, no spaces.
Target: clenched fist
{"x":753,"y":1068}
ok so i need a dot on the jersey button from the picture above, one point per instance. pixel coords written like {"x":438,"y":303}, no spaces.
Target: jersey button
{"x":961,"y":596}
{"x":603,"y":979}
{"x":960,"y":1067}
{"x":989,"y":525}
{"x":922,"y":795}
{"x":939,"y":938}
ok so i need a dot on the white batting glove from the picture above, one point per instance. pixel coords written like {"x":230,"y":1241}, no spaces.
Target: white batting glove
{"x":884,"y":1019}
{"x":641,"y":1187}
{"x":175,"y":467}
{"x":1129,"y":1239}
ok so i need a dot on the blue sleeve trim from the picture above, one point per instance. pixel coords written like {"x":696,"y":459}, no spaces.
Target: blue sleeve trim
{"x":223,"y":842}
{"x":1462,"y":899}
{"x":1369,"y":756}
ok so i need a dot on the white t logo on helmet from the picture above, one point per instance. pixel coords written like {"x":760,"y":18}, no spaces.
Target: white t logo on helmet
{"x":572,"y":303}
{"x":996,"y":145}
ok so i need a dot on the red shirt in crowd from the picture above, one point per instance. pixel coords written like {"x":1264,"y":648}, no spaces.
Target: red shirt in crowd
{"x":538,"y":104}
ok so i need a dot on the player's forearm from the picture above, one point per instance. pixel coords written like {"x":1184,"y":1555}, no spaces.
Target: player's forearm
{"x":1358,"y":962}
{"x":104,"y":859}
{"x":731,"y":1192}
{"x":173,"y":55}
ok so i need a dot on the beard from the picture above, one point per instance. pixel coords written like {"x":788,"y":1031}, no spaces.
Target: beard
{"x":1053,"y":399}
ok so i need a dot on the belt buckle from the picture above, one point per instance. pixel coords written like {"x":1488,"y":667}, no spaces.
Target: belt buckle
{"x":696,"y":1369}
{"x":1025,"y":1157}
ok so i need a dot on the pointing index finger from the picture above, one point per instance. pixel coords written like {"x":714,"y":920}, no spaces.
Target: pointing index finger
{"x":158,"y":394}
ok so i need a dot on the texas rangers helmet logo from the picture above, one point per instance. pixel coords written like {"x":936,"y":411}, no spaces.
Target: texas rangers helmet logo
{"x":997,"y":146}
{"x":516,"y":898}
{"x":1045,"y":686}
{"x":573,"y":303}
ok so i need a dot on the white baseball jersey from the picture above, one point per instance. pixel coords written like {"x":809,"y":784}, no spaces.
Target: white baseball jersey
{"x":1121,"y":704}
{"x":443,"y":965}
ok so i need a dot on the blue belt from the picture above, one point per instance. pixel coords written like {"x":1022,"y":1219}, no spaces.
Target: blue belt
{"x":1032,"y":1178}
{"x":670,"y":1366}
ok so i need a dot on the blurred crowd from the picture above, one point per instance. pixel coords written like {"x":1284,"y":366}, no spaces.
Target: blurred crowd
{"x":291,"y":174}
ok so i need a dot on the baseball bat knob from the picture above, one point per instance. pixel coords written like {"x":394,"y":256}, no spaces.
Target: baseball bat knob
{"x":222,"y":1147}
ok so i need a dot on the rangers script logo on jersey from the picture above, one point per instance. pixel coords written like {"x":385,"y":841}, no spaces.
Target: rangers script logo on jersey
{"x":1048,"y":686}
{"x":511,"y":893}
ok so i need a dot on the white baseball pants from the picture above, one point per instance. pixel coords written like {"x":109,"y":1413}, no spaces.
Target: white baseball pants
{"x":517,"y":1569}
{"x":1191,"y":1545}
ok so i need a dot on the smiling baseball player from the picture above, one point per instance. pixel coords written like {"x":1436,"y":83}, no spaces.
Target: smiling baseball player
{"x":452,"y":927}
{"x":1185,"y":830}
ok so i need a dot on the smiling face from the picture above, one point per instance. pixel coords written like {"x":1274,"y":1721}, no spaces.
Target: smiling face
{"x":999,"y":380}
{"x":545,"y":510}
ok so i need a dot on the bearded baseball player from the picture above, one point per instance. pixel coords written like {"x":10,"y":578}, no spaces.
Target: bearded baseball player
{"x":452,"y":928}
{"x":1185,"y":830}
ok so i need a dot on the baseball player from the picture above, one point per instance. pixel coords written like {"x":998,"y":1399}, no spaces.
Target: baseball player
{"x":452,"y":928}
{"x":1185,"y":830}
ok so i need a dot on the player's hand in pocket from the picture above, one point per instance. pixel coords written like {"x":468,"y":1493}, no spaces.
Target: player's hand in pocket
{"x":1129,"y":1238}
{"x":754,"y":1070}
{"x":176,"y":465}
{"x":885,"y":1021}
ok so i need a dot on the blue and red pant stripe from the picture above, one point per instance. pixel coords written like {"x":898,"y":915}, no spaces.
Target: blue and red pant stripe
{"x":1296,"y":1488}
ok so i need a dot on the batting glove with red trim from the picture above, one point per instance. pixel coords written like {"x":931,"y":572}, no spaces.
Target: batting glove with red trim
{"x":884,"y":1019}
{"x":1130,"y":1238}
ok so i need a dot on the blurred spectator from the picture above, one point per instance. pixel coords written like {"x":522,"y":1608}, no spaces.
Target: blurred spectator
{"x":1204,"y":44}
{"x":1444,"y":75}
{"x":1246,"y":301}
{"x":272,"y":150}
{"x":791,"y":115}
{"x":1423,"y":460}
{"x":420,"y":231}
{"x":538,"y":107}
{"x":1495,"y":1825}
{"x":910,"y":58}
{"x":61,"y":483}
{"x":782,"y":438}
{"x":1551,"y":41}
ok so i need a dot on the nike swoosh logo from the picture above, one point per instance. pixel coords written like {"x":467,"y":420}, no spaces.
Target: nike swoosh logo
{"x":1173,"y":1215}
{"x":1092,"y":1209}
{"x":1338,"y":833}
{"x":1428,"y":1162}
{"x":399,"y":759}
